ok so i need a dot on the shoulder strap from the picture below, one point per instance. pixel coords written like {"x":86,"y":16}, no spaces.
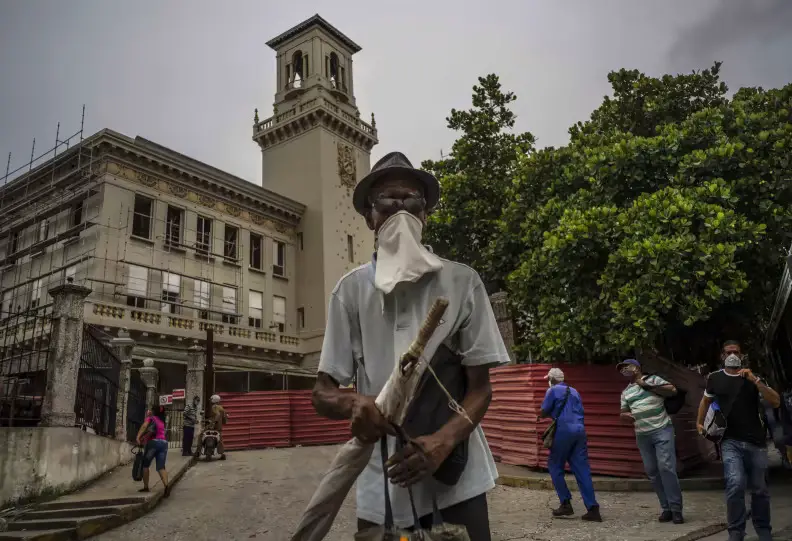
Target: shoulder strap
{"x":563,"y":403}
{"x":727,"y":410}
{"x":388,"y":508}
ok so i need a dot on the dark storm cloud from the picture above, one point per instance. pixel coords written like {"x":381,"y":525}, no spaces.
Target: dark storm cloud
{"x":731,"y":22}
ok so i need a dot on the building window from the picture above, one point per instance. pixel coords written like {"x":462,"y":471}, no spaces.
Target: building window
{"x":300,"y":240}
{"x":7,"y":306}
{"x":141,"y":220}
{"x":171,"y":287}
{"x":229,"y":305}
{"x":137,"y":286}
{"x":76,"y":214}
{"x":279,"y":313}
{"x":256,"y":313}
{"x":13,"y":243}
{"x":42,"y":231}
{"x":203,"y":238}
{"x":279,"y":258}
{"x":255,"y":251}
{"x":301,"y":317}
{"x":350,"y":248}
{"x":173,"y":226}
{"x":36,"y":293}
{"x":203,"y":298}
{"x":230,"y":245}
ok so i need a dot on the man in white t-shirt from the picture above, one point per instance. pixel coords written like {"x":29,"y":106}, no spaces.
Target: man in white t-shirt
{"x":374,"y":314}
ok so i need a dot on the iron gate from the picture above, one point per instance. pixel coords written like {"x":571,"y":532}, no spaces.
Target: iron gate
{"x":136,"y":405}
{"x":97,"y":385}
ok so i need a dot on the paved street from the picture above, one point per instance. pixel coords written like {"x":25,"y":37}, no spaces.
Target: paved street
{"x":261,"y":494}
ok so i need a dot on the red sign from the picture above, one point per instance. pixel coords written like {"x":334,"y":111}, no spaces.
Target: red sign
{"x":178,"y":394}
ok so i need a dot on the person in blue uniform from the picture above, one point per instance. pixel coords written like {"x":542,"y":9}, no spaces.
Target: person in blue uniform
{"x":563,"y":403}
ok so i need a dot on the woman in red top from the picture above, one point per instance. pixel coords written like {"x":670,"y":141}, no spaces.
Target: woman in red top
{"x":152,"y":436}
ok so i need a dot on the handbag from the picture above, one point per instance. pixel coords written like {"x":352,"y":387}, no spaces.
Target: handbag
{"x":137,"y":464}
{"x":439,"y":531}
{"x":549,"y":434}
{"x":430,"y":410}
{"x":673,"y":404}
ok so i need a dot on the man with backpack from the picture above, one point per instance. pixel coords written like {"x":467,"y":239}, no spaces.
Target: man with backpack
{"x":643,"y":406}
{"x":736,"y":393}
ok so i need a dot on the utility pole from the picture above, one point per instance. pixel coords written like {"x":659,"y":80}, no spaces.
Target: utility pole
{"x":209,"y":374}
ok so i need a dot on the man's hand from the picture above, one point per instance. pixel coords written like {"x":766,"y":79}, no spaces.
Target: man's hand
{"x":747,"y":374}
{"x":627,"y":417}
{"x":368,"y":424}
{"x":700,"y":429}
{"x":417,"y":460}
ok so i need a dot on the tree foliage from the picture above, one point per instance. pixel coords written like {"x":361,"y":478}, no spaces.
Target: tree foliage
{"x":662,"y":224}
{"x":474,"y":177}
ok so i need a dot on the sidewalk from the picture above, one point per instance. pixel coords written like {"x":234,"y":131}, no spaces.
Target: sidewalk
{"x":107,"y":503}
{"x":781,"y":516}
{"x":522,"y":477}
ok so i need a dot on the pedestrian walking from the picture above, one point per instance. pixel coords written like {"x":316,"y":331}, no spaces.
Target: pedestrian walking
{"x":190,"y":420}
{"x":738,"y":393}
{"x":563,"y":403}
{"x":156,"y":448}
{"x":643,"y":406}
{"x":374,"y":314}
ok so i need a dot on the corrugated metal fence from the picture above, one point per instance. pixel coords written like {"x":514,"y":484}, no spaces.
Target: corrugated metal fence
{"x":277,"y":419}
{"x":514,"y":434}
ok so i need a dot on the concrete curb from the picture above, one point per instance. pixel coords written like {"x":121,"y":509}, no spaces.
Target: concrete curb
{"x":540,"y":482}
{"x":701,"y":533}
{"x":91,"y":527}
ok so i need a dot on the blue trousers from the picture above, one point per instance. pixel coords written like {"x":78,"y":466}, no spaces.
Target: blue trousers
{"x":745,"y":467}
{"x":658,"y":451}
{"x":572,"y":448}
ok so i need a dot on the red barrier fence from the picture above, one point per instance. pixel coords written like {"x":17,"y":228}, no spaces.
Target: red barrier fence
{"x":514,"y":434}
{"x":277,"y":419}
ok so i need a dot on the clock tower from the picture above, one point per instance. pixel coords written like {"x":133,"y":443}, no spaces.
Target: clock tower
{"x":314,"y":149}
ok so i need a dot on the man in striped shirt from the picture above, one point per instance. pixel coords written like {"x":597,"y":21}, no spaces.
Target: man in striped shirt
{"x":643,"y":406}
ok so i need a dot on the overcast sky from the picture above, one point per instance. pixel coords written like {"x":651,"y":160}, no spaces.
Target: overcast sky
{"x":188,"y":74}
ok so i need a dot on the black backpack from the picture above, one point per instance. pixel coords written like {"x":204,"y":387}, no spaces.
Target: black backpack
{"x":673,"y":404}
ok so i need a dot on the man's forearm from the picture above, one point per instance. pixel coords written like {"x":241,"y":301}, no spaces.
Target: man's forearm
{"x":333,"y":403}
{"x":475,"y":404}
{"x":769,"y":394}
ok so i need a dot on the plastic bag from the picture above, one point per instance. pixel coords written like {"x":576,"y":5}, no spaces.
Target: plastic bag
{"x":137,"y":464}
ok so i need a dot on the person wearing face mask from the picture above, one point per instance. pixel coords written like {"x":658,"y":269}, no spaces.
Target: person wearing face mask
{"x":564,"y":404}
{"x":643,"y":406}
{"x":374,"y":313}
{"x":738,"y":393}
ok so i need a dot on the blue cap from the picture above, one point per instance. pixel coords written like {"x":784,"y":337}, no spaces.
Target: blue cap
{"x":626,"y":362}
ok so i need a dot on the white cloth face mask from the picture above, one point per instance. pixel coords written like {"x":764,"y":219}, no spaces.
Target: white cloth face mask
{"x":400,"y":255}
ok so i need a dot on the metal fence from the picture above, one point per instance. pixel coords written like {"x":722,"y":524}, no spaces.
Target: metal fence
{"x":135,"y":406}
{"x":97,"y":385}
{"x":24,"y":348}
{"x":175,"y":425}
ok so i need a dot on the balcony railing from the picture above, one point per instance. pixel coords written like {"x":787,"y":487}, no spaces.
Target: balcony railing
{"x":162,"y":322}
{"x":310,"y":105}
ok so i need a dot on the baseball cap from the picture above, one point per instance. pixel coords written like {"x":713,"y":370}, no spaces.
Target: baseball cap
{"x":555,"y":373}
{"x":628,"y":362}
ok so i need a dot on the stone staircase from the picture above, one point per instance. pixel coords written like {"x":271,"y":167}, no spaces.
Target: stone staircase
{"x":67,"y":521}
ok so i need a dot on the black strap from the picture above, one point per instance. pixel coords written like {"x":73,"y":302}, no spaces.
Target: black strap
{"x":388,"y":508}
{"x":563,"y":404}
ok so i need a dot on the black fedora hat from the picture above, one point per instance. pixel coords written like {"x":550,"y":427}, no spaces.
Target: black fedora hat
{"x":395,"y":162}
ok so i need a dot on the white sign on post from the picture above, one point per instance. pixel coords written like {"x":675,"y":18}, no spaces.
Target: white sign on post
{"x":166,"y":399}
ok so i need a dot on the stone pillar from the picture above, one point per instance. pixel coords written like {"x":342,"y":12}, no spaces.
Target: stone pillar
{"x":195,"y":380}
{"x":150,"y":377}
{"x":123,"y":346}
{"x":500,"y":306}
{"x":63,"y":361}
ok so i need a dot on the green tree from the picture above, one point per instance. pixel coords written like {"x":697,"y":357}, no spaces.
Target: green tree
{"x":662,"y":224}
{"x":475,"y":176}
